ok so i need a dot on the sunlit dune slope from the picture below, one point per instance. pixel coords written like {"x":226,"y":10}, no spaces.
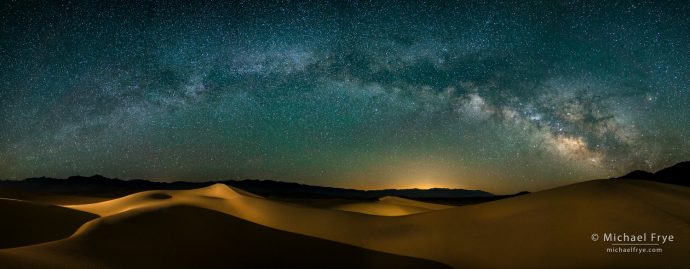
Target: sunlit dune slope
{"x":204,"y":197}
{"x":390,"y":206}
{"x":25,"y":223}
{"x":548,"y":229}
{"x":407,"y":202}
{"x":192,"y":237}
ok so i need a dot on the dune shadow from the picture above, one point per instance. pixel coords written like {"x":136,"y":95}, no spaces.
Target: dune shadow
{"x":27,"y":223}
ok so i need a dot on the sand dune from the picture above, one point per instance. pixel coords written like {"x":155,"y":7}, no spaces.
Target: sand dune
{"x":548,"y":229}
{"x":551,"y":229}
{"x":192,"y":237}
{"x":49,"y":198}
{"x":545,"y":229}
{"x":26,"y":223}
{"x":204,"y":197}
{"x":407,"y":202}
{"x":390,"y":206}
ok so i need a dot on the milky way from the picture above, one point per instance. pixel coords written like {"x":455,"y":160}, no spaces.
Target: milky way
{"x":502,"y":96}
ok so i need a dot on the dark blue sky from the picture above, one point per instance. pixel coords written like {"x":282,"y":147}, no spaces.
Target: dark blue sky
{"x":502,"y":96}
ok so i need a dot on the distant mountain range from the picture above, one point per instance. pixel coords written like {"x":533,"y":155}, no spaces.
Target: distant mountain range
{"x":678,"y":174}
{"x":98,"y":185}
{"x":101,"y":186}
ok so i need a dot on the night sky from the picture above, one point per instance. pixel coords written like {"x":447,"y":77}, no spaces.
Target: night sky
{"x":501,"y":96}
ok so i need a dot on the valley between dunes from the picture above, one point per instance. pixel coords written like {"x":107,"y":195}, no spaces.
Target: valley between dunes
{"x":223,"y":227}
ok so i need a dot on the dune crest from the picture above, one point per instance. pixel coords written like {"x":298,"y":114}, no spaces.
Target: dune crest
{"x":133,"y":201}
{"x":218,"y":190}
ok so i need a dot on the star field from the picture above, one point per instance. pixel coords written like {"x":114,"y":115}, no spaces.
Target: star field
{"x":494,"y":95}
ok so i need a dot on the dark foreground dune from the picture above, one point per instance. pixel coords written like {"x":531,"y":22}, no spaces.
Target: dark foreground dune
{"x":25,"y":223}
{"x":192,"y":237}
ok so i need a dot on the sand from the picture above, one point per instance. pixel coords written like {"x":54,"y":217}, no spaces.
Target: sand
{"x":193,"y":237}
{"x":547,"y":229}
{"x":26,"y":223}
{"x":552,"y":229}
{"x":390,"y":206}
{"x":50,"y":198}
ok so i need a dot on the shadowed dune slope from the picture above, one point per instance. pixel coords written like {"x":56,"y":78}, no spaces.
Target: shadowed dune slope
{"x":26,"y":223}
{"x":547,"y":229}
{"x":192,"y":237}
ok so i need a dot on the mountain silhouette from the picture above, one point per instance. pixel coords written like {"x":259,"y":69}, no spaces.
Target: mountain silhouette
{"x":98,"y":185}
{"x":639,"y":174}
{"x":678,"y":174}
